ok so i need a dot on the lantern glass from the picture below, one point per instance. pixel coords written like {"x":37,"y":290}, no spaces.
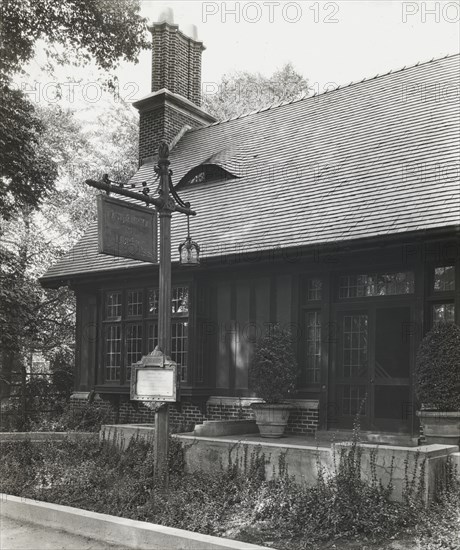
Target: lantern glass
{"x":189,"y":252}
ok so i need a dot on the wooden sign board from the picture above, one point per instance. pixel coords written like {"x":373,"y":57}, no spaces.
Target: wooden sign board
{"x":152,"y":382}
{"x":126,"y":229}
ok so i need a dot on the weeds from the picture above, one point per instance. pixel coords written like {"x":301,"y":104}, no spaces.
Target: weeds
{"x":235,"y":500}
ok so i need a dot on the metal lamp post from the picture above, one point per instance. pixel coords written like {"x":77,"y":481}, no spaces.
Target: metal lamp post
{"x":165,"y":205}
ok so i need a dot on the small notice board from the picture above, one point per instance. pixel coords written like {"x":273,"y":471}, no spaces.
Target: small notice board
{"x":154,"y":378}
{"x":126,"y":229}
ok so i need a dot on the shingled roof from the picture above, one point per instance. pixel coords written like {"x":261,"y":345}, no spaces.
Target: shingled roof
{"x":372,"y":159}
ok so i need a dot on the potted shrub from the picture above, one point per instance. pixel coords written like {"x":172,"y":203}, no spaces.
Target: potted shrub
{"x":437,"y":384}
{"x":272,"y":375}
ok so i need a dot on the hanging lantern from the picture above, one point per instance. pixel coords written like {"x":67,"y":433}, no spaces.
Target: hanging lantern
{"x":189,"y":251}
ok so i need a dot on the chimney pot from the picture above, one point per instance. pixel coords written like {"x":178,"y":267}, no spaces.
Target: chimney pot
{"x":166,"y":16}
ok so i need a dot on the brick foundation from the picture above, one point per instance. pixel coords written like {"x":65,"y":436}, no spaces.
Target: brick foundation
{"x":186,"y":414}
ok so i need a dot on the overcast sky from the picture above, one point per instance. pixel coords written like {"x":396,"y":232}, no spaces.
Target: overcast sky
{"x":334,"y":42}
{"x":327,"y":42}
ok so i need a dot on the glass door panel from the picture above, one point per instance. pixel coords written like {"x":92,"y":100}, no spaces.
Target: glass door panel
{"x":392,"y":357}
{"x":353,"y":367}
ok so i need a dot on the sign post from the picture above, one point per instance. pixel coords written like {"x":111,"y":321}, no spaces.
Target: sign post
{"x":151,"y":382}
{"x":161,"y":448}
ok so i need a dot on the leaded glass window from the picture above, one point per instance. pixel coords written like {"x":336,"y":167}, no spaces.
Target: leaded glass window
{"x":133,"y":346}
{"x":314,"y":289}
{"x":131,"y":330}
{"x":443,"y":313}
{"x":135,"y":303}
{"x":444,"y":278}
{"x":377,"y":284}
{"x":113,"y":305}
{"x":313,"y":347}
{"x":355,"y":332}
{"x":113,"y":353}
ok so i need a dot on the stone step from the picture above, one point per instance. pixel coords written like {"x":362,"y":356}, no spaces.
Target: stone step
{"x":379,"y":438}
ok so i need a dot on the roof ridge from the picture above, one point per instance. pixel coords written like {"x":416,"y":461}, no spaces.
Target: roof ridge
{"x":278,"y":104}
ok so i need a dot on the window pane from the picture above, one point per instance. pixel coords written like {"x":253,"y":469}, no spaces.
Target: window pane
{"x":313,"y":355}
{"x":314,"y":288}
{"x":444,"y":278}
{"x":135,"y":299}
{"x":381,"y":284}
{"x":113,"y":305}
{"x":179,"y":345}
{"x":353,"y":400}
{"x":354,"y":346}
{"x":153,"y":301}
{"x":152,"y":339}
{"x":444,"y":313}
{"x":112,"y":353}
{"x":133,"y":346}
{"x":180,"y":299}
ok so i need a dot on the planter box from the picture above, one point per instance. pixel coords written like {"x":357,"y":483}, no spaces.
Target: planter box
{"x":441,"y":427}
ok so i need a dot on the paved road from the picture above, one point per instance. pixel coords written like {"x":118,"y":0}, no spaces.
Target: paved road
{"x":26,"y":536}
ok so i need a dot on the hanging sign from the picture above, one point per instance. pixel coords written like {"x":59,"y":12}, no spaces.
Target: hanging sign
{"x":154,"y":378}
{"x":126,"y":229}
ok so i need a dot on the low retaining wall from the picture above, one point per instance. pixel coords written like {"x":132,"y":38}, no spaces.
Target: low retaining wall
{"x":47,"y":436}
{"x":111,"y":529}
{"x":208,"y":453}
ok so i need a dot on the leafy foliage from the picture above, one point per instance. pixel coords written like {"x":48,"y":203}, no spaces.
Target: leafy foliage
{"x":28,"y":169}
{"x":103,"y":30}
{"x":273,"y":371}
{"x":32,"y":318}
{"x":243,"y":92}
{"x":437,"y":382}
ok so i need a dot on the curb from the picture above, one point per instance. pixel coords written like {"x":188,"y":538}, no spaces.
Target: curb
{"x":113,"y":530}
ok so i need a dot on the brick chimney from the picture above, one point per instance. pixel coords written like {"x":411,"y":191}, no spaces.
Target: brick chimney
{"x":174,"y":103}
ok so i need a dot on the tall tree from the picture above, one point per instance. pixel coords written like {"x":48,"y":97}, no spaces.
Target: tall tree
{"x":242,"y":92}
{"x":73,"y":31}
{"x":31,"y":318}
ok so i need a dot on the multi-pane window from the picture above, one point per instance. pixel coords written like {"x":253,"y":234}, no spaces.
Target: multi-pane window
{"x":135,"y":303}
{"x":377,"y":284}
{"x":113,"y":305}
{"x":355,"y":332}
{"x":443,"y":313}
{"x":179,"y":300}
{"x":131,"y":330}
{"x":112,"y":352}
{"x":442,"y":295}
{"x":133,"y":346}
{"x":444,"y":278}
{"x":179,"y":347}
{"x":353,"y":400}
{"x":153,"y":301}
{"x":313,"y":347}
{"x":314,"y":289}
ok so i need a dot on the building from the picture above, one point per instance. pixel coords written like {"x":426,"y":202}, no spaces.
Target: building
{"x":337,"y":215}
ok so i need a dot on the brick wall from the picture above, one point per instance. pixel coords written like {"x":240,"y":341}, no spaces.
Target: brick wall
{"x":303,"y":421}
{"x":176,"y":62}
{"x":186,"y":414}
{"x":164,"y":122}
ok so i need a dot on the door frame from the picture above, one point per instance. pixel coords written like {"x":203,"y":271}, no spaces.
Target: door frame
{"x":369,"y":306}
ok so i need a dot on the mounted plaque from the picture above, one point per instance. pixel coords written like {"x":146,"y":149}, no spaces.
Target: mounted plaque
{"x":154,"y":378}
{"x":126,"y":229}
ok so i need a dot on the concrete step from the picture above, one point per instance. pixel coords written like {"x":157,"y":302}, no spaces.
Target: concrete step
{"x":379,"y":438}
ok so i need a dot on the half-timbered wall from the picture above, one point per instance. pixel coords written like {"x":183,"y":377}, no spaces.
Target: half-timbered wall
{"x":314,"y":294}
